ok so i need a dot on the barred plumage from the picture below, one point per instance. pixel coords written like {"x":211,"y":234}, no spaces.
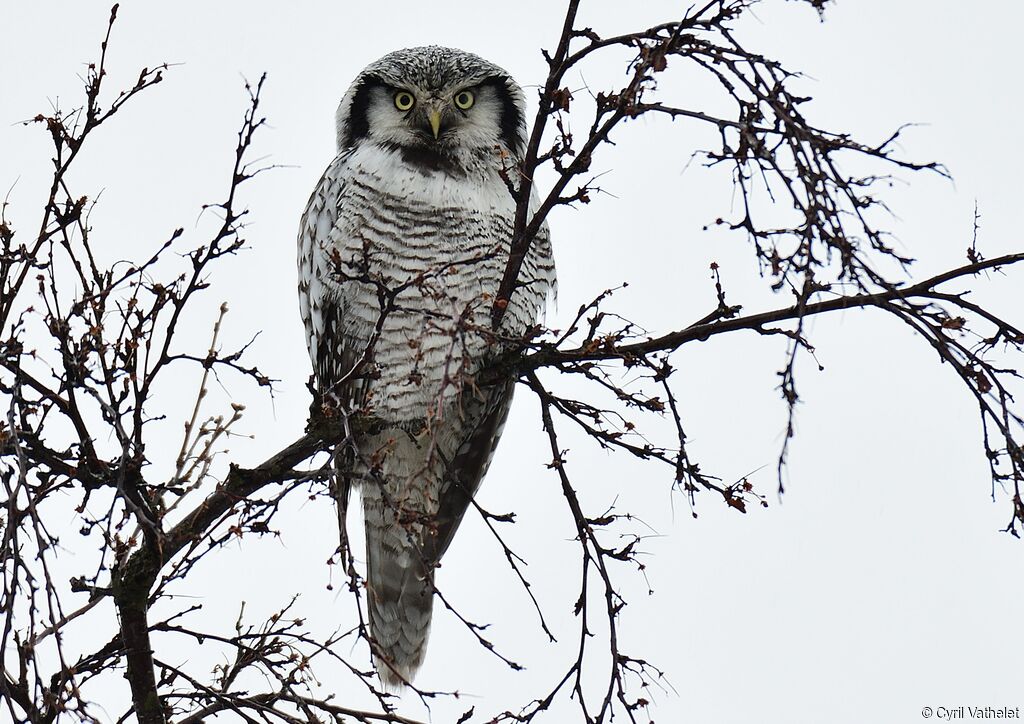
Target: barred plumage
{"x":401,"y":250}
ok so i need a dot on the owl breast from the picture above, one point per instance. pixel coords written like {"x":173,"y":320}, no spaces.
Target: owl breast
{"x":413,"y":262}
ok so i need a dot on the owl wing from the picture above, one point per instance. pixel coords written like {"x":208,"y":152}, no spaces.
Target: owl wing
{"x":470,"y":462}
{"x":321,"y":310}
{"x":489,"y":408}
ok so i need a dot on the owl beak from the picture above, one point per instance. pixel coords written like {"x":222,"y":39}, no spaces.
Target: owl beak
{"x":435,"y":122}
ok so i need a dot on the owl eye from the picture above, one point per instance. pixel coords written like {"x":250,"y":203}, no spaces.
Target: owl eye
{"x":464,"y":100}
{"x":404,"y":100}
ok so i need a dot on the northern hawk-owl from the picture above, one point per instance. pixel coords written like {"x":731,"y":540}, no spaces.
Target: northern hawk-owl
{"x":401,"y":250}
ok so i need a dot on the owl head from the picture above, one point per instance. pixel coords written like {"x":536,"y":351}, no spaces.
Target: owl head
{"x":435,"y":100}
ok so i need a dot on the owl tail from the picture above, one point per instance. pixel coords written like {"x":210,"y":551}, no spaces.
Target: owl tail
{"x":400,"y":593}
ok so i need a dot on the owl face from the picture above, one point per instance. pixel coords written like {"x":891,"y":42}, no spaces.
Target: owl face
{"x":434,"y":100}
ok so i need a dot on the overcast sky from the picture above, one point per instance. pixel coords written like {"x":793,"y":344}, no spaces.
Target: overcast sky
{"x":879,"y":584}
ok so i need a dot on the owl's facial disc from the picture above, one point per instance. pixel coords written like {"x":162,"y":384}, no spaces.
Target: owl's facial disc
{"x":439,"y":100}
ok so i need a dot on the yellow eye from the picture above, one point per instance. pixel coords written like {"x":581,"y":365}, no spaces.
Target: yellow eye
{"x":404,"y":100}
{"x":464,"y":100}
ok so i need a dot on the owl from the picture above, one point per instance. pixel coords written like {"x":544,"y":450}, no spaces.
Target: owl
{"x":401,"y":250}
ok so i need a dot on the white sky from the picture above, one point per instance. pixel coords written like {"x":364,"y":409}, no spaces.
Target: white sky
{"x":880,"y":584}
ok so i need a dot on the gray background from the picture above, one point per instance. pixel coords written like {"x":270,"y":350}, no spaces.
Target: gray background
{"x":879,"y":584}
